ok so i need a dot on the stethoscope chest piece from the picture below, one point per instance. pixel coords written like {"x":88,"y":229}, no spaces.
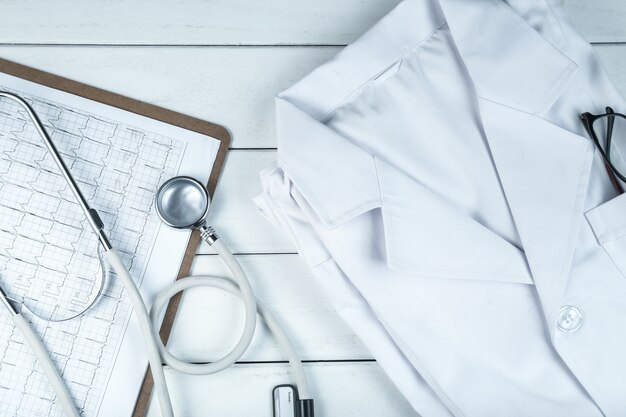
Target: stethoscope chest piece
{"x":182,"y":203}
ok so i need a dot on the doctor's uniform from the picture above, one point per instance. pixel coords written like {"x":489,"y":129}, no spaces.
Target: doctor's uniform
{"x":436,"y":177}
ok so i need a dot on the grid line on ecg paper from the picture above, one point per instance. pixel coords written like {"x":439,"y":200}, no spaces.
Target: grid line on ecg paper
{"x":42,"y":230}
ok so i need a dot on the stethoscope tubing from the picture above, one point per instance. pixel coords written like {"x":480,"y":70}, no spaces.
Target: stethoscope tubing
{"x":143,"y":319}
{"x":149,"y":323}
{"x":240,"y":287}
{"x":158,"y":355}
{"x":43,"y":358}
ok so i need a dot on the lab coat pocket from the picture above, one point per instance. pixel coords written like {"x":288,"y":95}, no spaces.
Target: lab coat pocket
{"x":608,"y":222}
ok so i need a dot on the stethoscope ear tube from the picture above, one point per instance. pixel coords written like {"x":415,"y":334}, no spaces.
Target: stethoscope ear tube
{"x":93,"y":218}
{"x":43,"y":358}
{"x":45,"y":362}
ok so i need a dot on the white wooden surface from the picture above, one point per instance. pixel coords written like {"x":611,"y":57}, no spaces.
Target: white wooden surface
{"x":224,"y":61}
{"x":236,"y":22}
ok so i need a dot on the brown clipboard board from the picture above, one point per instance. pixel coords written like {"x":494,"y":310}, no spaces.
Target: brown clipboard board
{"x":154,"y":112}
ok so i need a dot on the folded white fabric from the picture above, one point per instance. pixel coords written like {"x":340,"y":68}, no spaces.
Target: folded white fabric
{"x":437,"y":179}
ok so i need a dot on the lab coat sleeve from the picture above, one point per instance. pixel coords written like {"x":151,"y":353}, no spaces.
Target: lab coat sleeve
{"x":284,"y":206}
{"x":336,"y":177}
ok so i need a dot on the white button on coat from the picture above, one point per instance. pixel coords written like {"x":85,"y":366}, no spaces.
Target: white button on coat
{"x":570,"y":319}
{"x":438,"y":181}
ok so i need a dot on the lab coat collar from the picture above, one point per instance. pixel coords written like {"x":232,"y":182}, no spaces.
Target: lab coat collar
{"x":308,"y":149}
{"x":423,"y":234}
{"x":508,"y":60}
{"x":331,"y":84}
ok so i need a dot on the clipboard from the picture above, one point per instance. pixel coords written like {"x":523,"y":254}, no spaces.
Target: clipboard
{"x":154,"y":112}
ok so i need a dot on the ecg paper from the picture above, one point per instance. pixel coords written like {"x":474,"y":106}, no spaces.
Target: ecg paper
{"x":49,"y":254}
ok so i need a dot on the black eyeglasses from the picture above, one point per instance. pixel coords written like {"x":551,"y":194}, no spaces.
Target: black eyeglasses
{"x":608,"y":132}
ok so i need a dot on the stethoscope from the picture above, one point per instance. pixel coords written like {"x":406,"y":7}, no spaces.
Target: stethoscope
{"x":181,"y":203}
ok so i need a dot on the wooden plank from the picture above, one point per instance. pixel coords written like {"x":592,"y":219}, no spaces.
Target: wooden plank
{"x":236,"y":22}
{"x":598,"y":21}
{"x":339,"y":389}
{"x":209,"y":321}
{"x":233,"y":86}
{"x":613,"y":58}
{"x":233,"y":22}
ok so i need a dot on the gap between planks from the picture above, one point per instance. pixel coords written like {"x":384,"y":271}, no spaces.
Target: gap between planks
{"x":207,"y":45}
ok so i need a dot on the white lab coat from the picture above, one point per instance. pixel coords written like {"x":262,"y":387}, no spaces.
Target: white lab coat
{"x":437,"y":179}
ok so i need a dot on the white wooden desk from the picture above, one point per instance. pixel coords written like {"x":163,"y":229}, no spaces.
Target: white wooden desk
{"x":224,"y":61}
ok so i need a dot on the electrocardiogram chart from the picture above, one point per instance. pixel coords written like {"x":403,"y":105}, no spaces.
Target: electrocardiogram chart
{"x":49,"y":255}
